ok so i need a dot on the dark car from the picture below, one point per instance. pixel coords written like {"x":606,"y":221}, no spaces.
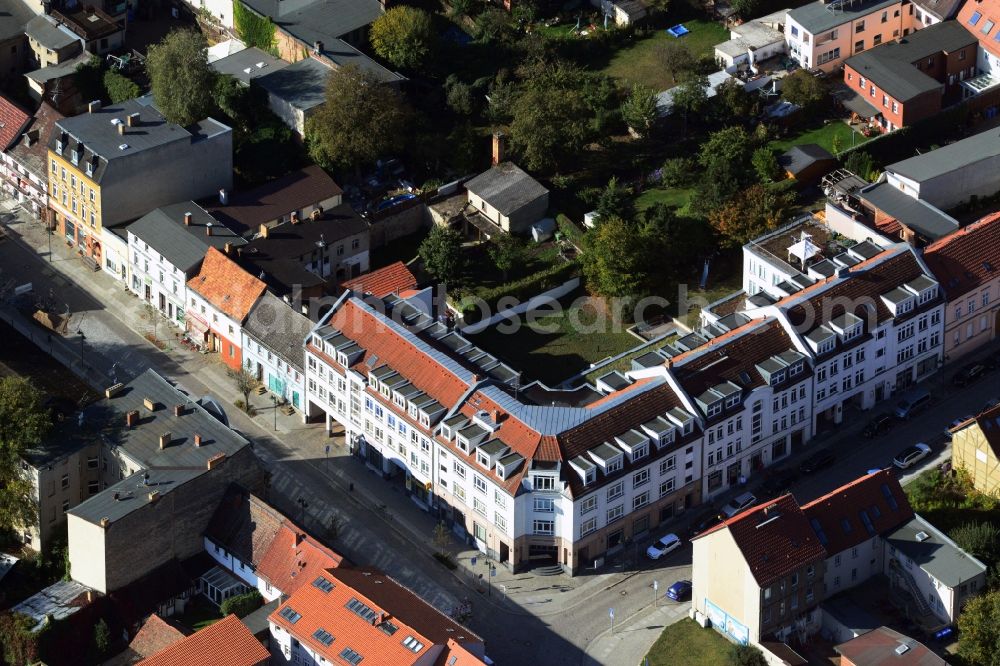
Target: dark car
{"x":777,"y":484}
{"x":992,"y":361}
{"x":817,"y":462}
{"x":969,"y":374}
{"x":879,"y":425}
{"x":704,"y":522}
{"x":679,"y":591}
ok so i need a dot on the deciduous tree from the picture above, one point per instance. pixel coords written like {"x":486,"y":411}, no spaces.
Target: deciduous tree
{"x":615,"y":260}
{"x":676,"y":59}
{"x":245,"y":382}
{"x":979,"y":630}
{"x":802,"y":88}
{"x":616,"y":201}
{"x":120,"y":87}
{"x":506,"y":251}
{"x":360,"y":120}
{"x":441,"y":253}
{"x":181,"y":79}
{"x":23,"y":423}
{"x":766,"y":165}
{"x":639,"y":110}
{"x":725,"y":158}
{"x":404,"y":36}
{"x":750,"y":213}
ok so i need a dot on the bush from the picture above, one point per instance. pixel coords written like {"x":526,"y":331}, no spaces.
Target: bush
{"x":445,"y":560}
{"x":522,"y":290}
{"x":242,"y":604}
{"x":120,"y":87}
{"x":678,"y":172}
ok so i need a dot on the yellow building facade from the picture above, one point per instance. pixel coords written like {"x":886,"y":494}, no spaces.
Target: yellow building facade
{"x":75,"y":200}
{"x":974,"y":449}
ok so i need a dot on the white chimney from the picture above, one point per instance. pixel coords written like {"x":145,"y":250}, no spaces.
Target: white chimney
{"x":223,"y":196}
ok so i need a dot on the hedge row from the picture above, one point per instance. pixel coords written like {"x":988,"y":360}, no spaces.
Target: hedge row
{"x":522,"y":290}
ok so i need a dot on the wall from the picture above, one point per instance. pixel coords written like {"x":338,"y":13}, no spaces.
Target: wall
{"x":172,"y":527}
{"x":520,"y":221}
{"x":87,"y":553}
{"x":115,"y":261}
{"x":146,"y":266}
{"x":14,"y":54}
{"x":948,"y":190}
{"x":853,"y":566}
{"x":719,"y":574}
{"x":386,"y":229}
{"x":841,"y":222}
{"x":79,"y":469}
{"x":898,"y":21}
{"x":896,"y":114}
{"x":293,"y":378}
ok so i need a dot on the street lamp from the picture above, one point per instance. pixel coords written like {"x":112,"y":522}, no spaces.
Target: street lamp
{"x":274,"y":401}
{"x":321,"y":244}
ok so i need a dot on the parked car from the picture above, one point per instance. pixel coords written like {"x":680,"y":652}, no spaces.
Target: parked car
{"x":912,"y":403}
{"x":817,"y":462}
{"x":663,"y":545}
{"x":704,"y":522}
{"x":911,"y":455}
{"x":739,"y":503}
{"x":679,"y":591}
{"x":879,"y":425}
{"x":955,"y":424}
{"x":777,"y":484}
{"x":969,"y":374}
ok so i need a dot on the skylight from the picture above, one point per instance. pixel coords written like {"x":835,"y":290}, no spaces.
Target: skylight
{"x":974,"y":19}
{"x":350,"y":656}
{"x":323,"y":584}
{"x":361,"y":610}
{"x":987,"y":27}
{"x":867,"y":521}
{"x":323,"y":636}
{"x":818,"y":529}
{"x":290,"y":614}
{"x":890,"y":498}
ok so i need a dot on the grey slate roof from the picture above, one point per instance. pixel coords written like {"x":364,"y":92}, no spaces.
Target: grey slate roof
{"x":937,"y":555}
{"x":976,"y":148}
{"x":920,"y":216}
{"x":942,"y":9}
{"x":48,"y":33}
{"x":506,"y":187}
{"x":890,"y":66}
{"x":60,"y":600}
{"x":301,"y":84}
{"x":133,"y":493}
{"x":817,"y":17}
{"x":100,"y":136}
{"x":14,"y":16}
{"x":65,"y":68}
{"x":797,"y":158}
{"x":183,"y":246}
{"x":278,"y":327}
{"x":260,"y":63}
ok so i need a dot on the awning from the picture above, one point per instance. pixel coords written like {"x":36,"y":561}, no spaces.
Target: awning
{"x":196,"y":323}
{"x":853,"y":101}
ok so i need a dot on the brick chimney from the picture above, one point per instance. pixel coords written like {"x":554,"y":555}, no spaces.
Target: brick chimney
{"x":499,"y":146}
{"x":294,"y":217}
{"x":113,"y":390}
{"x":178,"y":410}
{"x":187,"y":219}
{"x":153,"y":496}
{"x":208,"y":229}
{"x":197,"y":440}
{"x":132,"y":418}
{"x":215,"y":461}
{"x":164,"y":440}
{"x":299,"y":538}
{"x":133,"y":120}
{"x":228,"y":249}
{"x":121,"y":128}
{"x":149,"y":404}
{"x":105,"y":521}
{"x":263,"y":231}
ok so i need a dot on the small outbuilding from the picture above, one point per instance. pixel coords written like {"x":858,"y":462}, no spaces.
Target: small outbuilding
{"x":508,"y":198}
{"x":807,"y":163}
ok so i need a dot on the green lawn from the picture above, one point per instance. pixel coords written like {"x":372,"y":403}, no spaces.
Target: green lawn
{"x":822,"y":135}
{"x":674,"y":197}
{"x":638,"y":63}
{"x":556,"y":346}
{"x":625,"y":362}
{"x":198,"y":614}
{"x":686,"y":643}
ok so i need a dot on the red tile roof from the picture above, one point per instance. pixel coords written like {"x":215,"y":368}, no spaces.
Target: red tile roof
{"x":13,"y":120}
{"x":775,"y":539}
{"x":154,"y":636}
{"x":34,"y":158}
{"x":392,"y":279}
{"x":294,"y":558}
{"x":960,"y":259}
{"x":225,"y":285}
{"x":227,"y":642}
{"x":838,"y":514}
{"x":245,"y":525}
{"x":868,"y":281}
{"x":354,"y":321}
{"x":729,"y":356}
{"x":392,"y":603}
{"x":456,"y":655}
{"x":989,"y":11}
{"x":878,"y":648}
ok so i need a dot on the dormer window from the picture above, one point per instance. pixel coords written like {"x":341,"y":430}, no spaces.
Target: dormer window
{"x":483,"y":459}
{"x":590,"y":476}
{"x":688,"y":427}
{"x":732,"y":400}
{"x":613,"y":466}
{"x":777,"y":377}
{"x":640,"y":452}
{"x":714,"y":409}
{"x":462,"y":443}
{"x":795,"y":369}
{"x":827,"y":346}
{"x":342,"y":359}
{"x":667,"y":438}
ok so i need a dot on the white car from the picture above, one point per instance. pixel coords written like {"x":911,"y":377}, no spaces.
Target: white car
{"x":664,"y":545}
{"x":911,"y":455}
{"x":955,"y":424}
{"x":739,"y":503}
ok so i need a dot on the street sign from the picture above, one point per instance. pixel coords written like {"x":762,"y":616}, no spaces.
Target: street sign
{"x":327,"y":449}
{"x":493,"y":572}
{"x":656,"y":586}
{"x":611,"y":613}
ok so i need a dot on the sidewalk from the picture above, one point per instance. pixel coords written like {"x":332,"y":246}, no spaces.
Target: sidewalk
{"x":632,"y":637}
{"x":116,"y":318}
